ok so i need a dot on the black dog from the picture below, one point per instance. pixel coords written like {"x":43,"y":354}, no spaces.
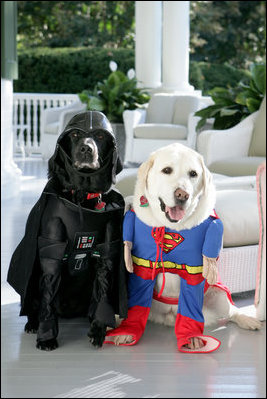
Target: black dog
{"x":70,"y":261}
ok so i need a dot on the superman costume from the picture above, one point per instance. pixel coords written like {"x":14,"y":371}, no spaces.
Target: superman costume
{"x":157,"y":250}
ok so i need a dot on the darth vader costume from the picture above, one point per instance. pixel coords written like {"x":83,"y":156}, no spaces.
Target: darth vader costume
{"x":70,"y":261}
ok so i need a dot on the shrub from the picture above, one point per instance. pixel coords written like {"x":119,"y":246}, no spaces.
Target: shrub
{"x":67,"y":70}
{"x":233,"y":104}
{"x":205,"y":76}
{"x":221,"y":75}
{"x":72,"y":69}
{"x":196,"y":77}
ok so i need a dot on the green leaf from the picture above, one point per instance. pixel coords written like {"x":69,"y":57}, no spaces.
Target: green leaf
{"x":253,"y":104}
{"x":228,"y":112}
{"x":219,"y":91}
{"x":220,"y":94}
{"x":115,"y":78}
{"x":243,"y":85}
{"x":208,"y":112}
{"x":96,"y":104}
{"x":200,"y":124}
{"x":225,"y":122}
{"x":258,"y":72}
{"x":83,"y":97}
{"x":254,"y":88}
{"x":241,"y":98}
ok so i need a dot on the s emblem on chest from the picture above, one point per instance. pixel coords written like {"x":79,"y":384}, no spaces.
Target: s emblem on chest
{"x":171,"y":240}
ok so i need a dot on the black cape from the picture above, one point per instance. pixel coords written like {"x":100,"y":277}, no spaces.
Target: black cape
{"x":81,"y":238}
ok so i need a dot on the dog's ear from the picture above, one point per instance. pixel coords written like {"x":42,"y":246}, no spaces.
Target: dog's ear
{"x":51,"y":167}
{"x":119,"y":166}
{"x":207,"y":177}
{"x":143,"y":171}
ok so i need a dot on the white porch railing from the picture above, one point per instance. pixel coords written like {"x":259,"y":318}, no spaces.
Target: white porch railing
{"x":27,"y":114}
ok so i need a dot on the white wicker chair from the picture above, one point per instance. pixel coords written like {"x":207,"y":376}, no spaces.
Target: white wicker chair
{"x":53,"y":123}
{"x":237,"y":151}
{"x":168,"y":118}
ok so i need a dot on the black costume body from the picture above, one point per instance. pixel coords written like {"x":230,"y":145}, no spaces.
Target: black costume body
{"x":70,"y":261}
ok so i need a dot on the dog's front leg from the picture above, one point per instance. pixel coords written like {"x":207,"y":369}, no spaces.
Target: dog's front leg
{"x":51,"y":253}
{"x":210,"y":270}
{"x":128,"y":256}
{"x":48,"y":322}
{"x":101,"y":312}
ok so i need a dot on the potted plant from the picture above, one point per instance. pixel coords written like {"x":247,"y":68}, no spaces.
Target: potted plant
{"x":117,"y":93}
{"x":231,"y":105}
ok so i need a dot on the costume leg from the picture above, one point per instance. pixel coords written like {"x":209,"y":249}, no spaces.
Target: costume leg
{"x":101,"y":313}
{"x":101,"y":308}
{"x":190,"y":321}
{"x":139,"y":303}
{"x":51,"y":247}
{"x":49,"y":285}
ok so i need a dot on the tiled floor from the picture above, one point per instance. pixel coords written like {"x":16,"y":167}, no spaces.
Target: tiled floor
{"x":153,"y":368}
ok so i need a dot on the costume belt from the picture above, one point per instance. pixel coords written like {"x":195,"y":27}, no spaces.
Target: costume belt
{"x":167,"y":265}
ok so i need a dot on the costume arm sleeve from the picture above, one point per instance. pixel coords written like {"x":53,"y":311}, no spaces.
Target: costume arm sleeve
{"x":128,"y":226}
{"x":52,"y":239}
{"x":213,"y":239}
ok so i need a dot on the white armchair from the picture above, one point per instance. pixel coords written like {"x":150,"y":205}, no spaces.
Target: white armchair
{"x":237,"y":151}
{"x":168,"y":118}
{"x":53,"y":122}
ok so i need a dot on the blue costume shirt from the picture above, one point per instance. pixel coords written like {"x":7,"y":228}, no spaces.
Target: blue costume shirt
{"x":184,"y":247}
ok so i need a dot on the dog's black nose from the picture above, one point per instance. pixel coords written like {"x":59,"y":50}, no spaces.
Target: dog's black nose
{"x":181,"y":195}
{"x":86,"y":148}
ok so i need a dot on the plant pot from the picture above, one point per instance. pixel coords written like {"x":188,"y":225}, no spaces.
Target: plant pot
{"x":119,"y":133}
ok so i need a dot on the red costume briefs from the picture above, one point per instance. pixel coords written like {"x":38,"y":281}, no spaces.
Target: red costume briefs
{"x":157,"y":250}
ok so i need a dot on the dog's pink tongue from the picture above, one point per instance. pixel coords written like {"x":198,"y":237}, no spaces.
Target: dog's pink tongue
{"x":175,"y":213}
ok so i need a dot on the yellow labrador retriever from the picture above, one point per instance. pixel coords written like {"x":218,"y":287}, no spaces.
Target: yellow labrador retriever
{"x":174,"y":190}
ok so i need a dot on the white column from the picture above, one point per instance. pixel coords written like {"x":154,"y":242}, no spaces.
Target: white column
{"x":175,"y":46}
{"x":10,"y":173}
{"x":148,"y":28}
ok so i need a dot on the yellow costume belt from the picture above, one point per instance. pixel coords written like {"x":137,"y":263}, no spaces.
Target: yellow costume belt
{"x":167,"y":265}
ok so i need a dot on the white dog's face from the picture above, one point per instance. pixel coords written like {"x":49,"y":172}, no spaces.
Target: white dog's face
{"x":176,"y":184}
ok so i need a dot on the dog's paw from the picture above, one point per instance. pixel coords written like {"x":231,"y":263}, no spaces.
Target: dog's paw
{"x":48,"y":345}
{"x":122,"y":339}
{"x":246,"y":322}
{"x":119,"y":339}
{"x":210,"y":271}
{"x":195,"y":343}
{"x":97,"y":333}
{"x":31,"y":327}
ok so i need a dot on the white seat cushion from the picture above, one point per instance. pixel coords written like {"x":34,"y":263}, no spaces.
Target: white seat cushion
{"x":238,"y":211}
{"x":238,"y":166}
{"x":160,"y":131}
{"x":52,"y":128}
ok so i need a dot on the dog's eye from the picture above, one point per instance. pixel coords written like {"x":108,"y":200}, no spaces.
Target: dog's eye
{"x":74,"y":134}
{"x":167,"y":170}
{"x":99,"y":135}
{"x":193,"y":173}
